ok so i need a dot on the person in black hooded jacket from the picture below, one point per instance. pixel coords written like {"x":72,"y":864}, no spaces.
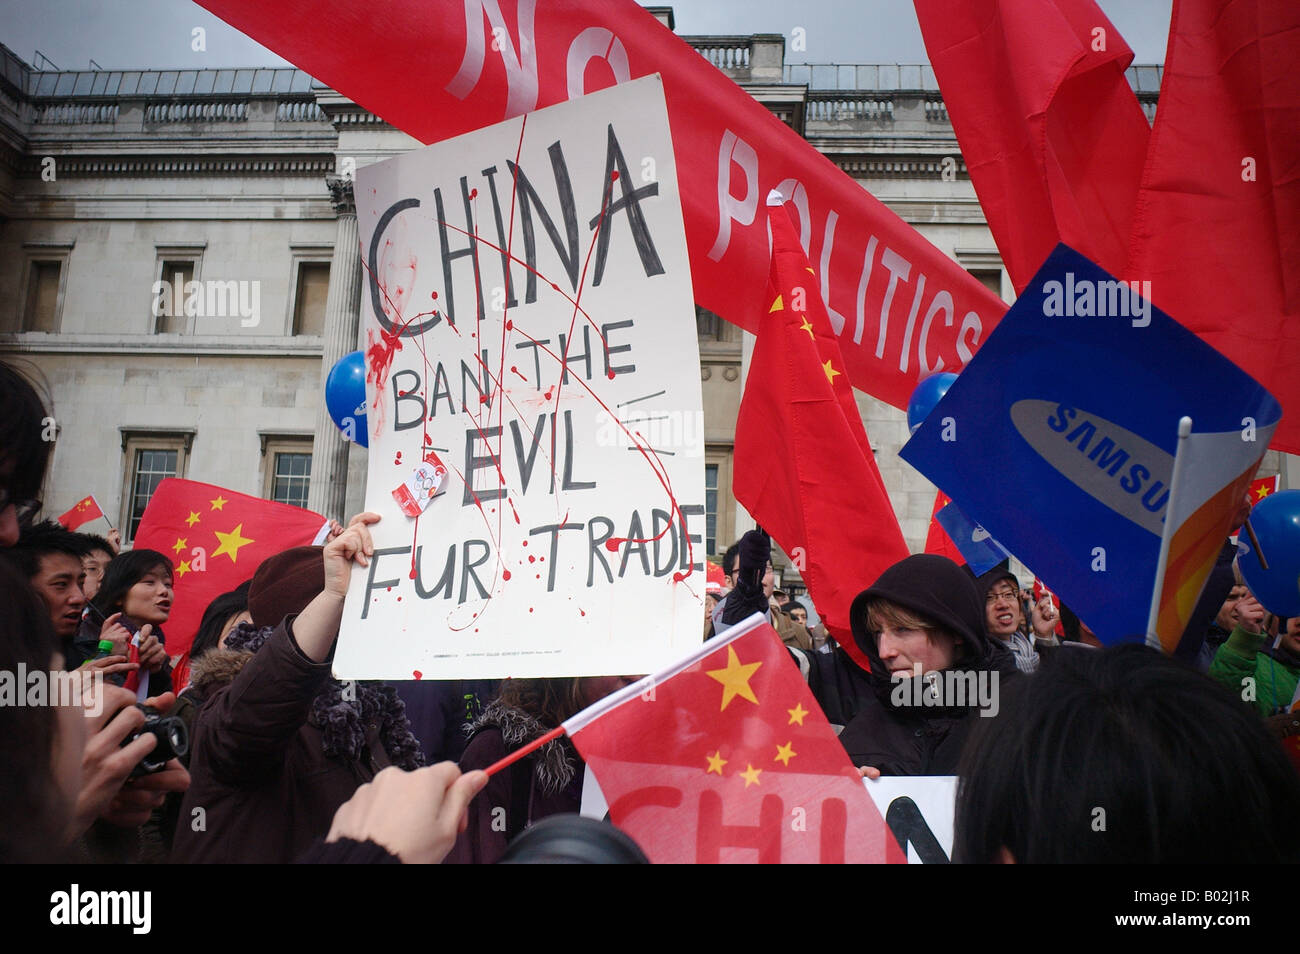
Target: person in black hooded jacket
{"x":922,"y":618}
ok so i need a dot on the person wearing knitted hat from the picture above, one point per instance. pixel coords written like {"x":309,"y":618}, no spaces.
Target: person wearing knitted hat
{"x":933,"y":668}
{"x":279,"y":745}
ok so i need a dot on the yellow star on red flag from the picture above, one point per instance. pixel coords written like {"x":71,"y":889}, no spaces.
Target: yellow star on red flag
{"x":750,"y":775}
{"x":1263,"y":492}
{"x":777,"y":305}
{"x":830,"y":372}
{"x":797,"y":714}
{"x":231,"y":542}
{"x":183,"y":568}
{"x":735,"y":678}
{"x":180,"y":544}
{"x":784,"y":753}
{"x":716,"y":761}
{"x":193,"y":518}
{"x":219,"y":502}
{"x":807,"y":326}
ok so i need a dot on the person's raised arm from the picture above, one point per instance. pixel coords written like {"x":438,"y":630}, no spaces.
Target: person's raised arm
{"x":317,"y":625}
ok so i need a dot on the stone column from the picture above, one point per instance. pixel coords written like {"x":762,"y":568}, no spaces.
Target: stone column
{"x":327,"y":492}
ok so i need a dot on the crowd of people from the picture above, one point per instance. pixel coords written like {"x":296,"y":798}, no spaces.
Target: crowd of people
{"x":260,"y":755}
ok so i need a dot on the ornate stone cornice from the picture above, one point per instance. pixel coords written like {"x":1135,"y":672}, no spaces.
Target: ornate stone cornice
{"x":181,"y":166}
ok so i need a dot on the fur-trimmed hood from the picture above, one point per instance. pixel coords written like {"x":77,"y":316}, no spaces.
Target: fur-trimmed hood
{"x":216,"y":669}
{"x":555,"y":764}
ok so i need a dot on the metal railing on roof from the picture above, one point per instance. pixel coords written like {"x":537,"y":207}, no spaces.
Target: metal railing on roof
{"x":151,"y":83}
{"x":1144,"y":79}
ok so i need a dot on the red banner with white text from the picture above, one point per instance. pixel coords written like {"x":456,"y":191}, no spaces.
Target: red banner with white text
{"x":901,"y":308}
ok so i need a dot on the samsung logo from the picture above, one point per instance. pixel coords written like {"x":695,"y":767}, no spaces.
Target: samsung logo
{"x":1111,"y":464}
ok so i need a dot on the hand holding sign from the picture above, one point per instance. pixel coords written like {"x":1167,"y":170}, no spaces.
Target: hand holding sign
{"x":352,"y":545}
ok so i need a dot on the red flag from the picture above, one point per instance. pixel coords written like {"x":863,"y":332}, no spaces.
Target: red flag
{"x":1215,"y":229}
{"x":215,"y":538}
{"x":715,"y":581}
{"x":85,"y":510}
{"x":902,"y":307}
{"x":804,"y":467}
{"x":937,"y":539}
{"x":1258,"y":490}
{"x":726,"y":757}
{"x":1049,"y":127}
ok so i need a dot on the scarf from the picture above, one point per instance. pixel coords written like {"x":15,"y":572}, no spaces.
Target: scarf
{"x":342,"y":721}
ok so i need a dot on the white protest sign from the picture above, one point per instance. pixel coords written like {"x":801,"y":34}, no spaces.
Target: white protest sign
{"x":919,"y":811}
{"x":530,"y":329}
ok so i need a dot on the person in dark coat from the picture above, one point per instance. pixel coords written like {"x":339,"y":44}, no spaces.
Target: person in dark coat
{"x":546,"y":782}
{"x":279,"y":745}
{"x":923,"y":618}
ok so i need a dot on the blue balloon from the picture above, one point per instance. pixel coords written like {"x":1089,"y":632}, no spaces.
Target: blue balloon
{"x":927,"y":394}
{"x":345,"y":397}
{"x":1276,"y":522}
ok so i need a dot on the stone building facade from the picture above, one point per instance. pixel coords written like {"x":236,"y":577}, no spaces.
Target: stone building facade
{"x":119,"y":188}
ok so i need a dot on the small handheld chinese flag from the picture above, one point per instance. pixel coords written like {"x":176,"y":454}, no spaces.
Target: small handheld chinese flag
{"x":726,"y":757}
{"x":85,"y":510}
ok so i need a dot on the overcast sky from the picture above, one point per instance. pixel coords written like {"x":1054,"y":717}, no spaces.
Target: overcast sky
{"x":155,"y":34}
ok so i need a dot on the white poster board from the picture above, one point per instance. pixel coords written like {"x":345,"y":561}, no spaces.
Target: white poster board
{"x":919,"y":810}
{"x":561,"y":398}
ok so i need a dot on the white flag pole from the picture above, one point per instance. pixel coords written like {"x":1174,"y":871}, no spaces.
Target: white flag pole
{"x":1166,"y":536}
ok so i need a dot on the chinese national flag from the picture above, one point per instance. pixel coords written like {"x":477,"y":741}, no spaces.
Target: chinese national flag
{"x":86,"y":510}
{"x":1050,"y":129}
{"x":215,"y":539}
{"x":937,"y":539}
{"x":1215,"y":229}
{"x":726,"y":757}
{"x":804,"y":467}
{"x":1258,"y":490}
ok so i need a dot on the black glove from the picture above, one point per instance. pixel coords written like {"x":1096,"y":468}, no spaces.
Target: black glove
{"x":748,"y":597}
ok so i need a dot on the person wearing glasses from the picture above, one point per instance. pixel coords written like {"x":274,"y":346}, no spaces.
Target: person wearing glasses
{"x":1004,"y":618}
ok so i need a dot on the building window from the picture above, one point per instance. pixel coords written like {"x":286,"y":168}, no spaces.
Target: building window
{"x":292,"y":475}
{"x":990,"y":278}
{"x":719,"y":500}
{"x":287,"y":469}
{"x":706,"y":324}
{"x":41,"y":311}
{"x":175,"y":271}
{"x":711,"y":508}
{"x":150,"y":459}
{"x":310,"y":292}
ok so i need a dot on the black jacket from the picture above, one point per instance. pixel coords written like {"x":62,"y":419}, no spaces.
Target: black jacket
{"x":921,"y":740}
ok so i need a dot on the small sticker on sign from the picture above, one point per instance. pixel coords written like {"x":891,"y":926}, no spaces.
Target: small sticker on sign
{"x":417,"y":490}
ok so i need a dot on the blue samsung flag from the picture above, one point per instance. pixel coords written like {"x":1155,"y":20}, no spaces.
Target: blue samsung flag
{"x":981,"y":551}
{"x":1059,"y":439}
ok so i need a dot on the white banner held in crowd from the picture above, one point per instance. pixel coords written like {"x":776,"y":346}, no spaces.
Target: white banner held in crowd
{"x":919,"y":811}
{"x":553,"y":406}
